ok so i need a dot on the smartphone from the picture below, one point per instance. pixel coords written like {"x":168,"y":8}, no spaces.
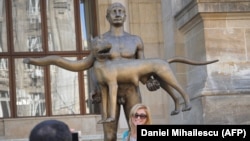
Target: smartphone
{"x":75,"y":136}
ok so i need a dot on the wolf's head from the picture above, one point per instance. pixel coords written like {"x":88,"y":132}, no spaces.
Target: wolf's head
{"x":100,"y":48}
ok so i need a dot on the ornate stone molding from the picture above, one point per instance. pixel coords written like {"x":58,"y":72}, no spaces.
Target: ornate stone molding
{"x":199,"y":8}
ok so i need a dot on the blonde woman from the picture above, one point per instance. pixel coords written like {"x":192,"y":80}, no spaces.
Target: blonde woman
{"x":139,"y":115}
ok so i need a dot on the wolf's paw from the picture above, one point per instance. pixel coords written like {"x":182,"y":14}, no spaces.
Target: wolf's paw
{"x":175,"y":112}
{"x":187,"y":108}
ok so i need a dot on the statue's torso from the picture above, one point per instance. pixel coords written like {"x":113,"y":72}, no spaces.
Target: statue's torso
{"x":123,"y":47}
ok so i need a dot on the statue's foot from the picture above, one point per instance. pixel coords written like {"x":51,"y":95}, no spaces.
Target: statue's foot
{"x":175,"y":112}
{"x":110,"y":119}
{"x":187,"y":108}
{"x":101,"y":121}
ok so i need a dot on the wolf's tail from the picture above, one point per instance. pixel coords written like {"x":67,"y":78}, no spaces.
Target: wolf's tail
{"x":189,"y":61}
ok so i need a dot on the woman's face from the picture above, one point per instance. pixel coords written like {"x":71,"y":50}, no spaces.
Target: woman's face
{"x":140,"y":117}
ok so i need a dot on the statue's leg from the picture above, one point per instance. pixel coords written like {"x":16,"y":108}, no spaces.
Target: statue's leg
{"x":132,"y":97}
{"x":110,"y":128}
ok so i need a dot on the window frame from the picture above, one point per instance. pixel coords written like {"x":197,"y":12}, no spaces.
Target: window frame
{"x":79,"y":53}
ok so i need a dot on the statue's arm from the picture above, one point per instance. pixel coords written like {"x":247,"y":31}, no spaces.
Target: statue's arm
{"x":70,"y":65}
{"x":140,"y":55}
{"x":151,"y":83}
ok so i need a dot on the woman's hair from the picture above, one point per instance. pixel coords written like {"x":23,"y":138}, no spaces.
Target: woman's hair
{"x":133,"y":111}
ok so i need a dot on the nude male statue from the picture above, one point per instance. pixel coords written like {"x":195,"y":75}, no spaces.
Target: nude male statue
{"x":124,"y":47}
{"x":111,"y":73}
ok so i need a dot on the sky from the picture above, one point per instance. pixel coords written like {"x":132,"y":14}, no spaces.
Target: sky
{"x":83,"y":26}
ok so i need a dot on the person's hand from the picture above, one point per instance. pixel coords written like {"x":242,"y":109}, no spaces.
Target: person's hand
{"x":153,"y":84}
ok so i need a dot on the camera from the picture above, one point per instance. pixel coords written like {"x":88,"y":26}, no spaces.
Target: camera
{"x":75,"y":136}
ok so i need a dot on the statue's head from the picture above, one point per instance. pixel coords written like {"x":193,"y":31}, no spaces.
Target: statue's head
{"x":100,"y":48}
{"x":116,"y":14}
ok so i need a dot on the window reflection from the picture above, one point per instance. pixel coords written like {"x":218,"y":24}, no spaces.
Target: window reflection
{"x":26,"y":36}
{"x":33,"y":8}
{"x":83,"y":25}
{"x":26,"y":19}
{"x":61,"y":25}
{"x":4,"y":88}
{"x":4,"y":71}
{"x":89,"y":86}
{"x":88,"y":103}
{"x":30,"y":98}
{"x":64,"y":91}
{"x":4,"y":103}
{"x":34,"y":44}
{"x":3,"y":36}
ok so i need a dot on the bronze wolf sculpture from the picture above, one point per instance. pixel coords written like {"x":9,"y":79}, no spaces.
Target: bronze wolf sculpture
{"x":110,"y":73}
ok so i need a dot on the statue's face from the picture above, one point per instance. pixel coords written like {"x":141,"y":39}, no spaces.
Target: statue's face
{"x":117,"y":16}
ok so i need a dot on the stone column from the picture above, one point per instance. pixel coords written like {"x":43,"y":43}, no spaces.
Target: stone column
{"x":220,"y":92}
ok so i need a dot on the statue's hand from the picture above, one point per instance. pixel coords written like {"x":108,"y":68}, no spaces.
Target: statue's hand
{"x":152,"y":84}
{"x":96,"y":96}
{"x":26,"y":60}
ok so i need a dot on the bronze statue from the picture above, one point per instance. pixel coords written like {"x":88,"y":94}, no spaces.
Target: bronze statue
{"x":110,"y":73}
{"x":124,"y":46}
{"x":121,"y":47}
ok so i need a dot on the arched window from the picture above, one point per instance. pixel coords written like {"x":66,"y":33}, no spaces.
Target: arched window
{"x":38,"y":28}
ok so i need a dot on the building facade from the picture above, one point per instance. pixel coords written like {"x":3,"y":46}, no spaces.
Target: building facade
{"x":200,"y":30}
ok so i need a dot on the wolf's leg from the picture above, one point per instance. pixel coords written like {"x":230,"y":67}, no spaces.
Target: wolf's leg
{"x":169,"y":90}
{"x":166,"y":74}
{"x":104,"y":93}
{"x":113,"y":87}
{"x":176,"y":100}
{"x":184,"y":95}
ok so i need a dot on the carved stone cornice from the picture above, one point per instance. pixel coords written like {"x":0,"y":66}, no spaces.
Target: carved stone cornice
{"x":198,"y":9}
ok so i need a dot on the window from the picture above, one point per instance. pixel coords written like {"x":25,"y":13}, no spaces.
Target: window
{"x":38,"y":28}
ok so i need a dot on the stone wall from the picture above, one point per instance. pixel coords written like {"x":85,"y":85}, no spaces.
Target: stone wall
{"x":16,"y":129}
{"x":86,"y":126}
{"x":220,"y":91}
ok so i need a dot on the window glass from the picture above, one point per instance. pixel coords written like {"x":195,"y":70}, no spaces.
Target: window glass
{"x":26,"y":18}
{"x":83,"y":25}
{"x":3,"y":36}
{"x":61,"y":25}
{"x":30,"y":98}
{"x":64,"y":91}
{"x":39,"y":28}
{"x":89,"y":81}
{"x":88,"y":103}
{"x":4,"y":88}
